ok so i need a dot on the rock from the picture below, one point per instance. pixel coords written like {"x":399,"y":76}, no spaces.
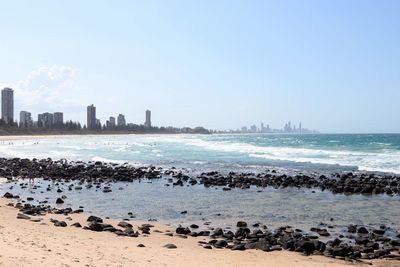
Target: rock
{"x":362,"y":230}
{"x":261,"y":244}
{"x":194,"y":226}
{"x":220,"y":244}
{"x":362,"y":240}
{"x":207,"y":247}
{"x":95,"y":219}
{"x":352,"y":229}
{"x":141,"y":246}
{"x":77,"y":225}
{"x":97,"y":227}
{"x":241,"y":224}
{"x":240,"y":246}
{"x":170,"y":246}
{"x":124,"y":224}
{"x":60,"y":224}
{"x":23,"y":216}
{"x":8,"y":195}
{"x":395,"y":242}
{"x":59,"y":201}
{"x":379,"y":231}
{"x":183,"y":230}
{"x":218,"y":232}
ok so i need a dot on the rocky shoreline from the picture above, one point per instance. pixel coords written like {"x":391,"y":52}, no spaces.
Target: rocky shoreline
{"x":358,"y":244}
{"x":98,"y":173}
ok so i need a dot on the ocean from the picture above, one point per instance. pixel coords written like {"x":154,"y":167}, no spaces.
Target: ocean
{"x":226,"y":152}
{"x":319,"y":152}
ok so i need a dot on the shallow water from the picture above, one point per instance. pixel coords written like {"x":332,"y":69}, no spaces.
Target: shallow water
{"x":273,"y":207}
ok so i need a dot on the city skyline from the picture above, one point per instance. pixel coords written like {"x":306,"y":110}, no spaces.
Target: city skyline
{"x":220,"y":65}
{"x":48,"y":119}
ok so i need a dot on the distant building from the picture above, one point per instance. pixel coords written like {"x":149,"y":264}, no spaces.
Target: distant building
{"x":46,"y":119}
{"x":110,"y":123}
{"x":7,"y":105}
{"x":121,"y":120}
{"x":91,"y":117}
{"x":148,"y":119}
{"x":244,"y":129}
{"x":58,"y":118}
{"x":98,"y":124}
{"x":25,"y":119}
{"x":253,"y":129}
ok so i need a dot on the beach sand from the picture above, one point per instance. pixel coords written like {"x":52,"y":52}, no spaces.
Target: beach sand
{"x":27,"y":243}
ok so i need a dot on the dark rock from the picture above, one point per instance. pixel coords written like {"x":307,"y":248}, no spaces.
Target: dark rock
{"x":170,"y":246}
{"x":77,"y":225}
{"x":23,"y":216}
{"x":240,"y":246}
{"x":8,"y":195}
{"x":220,"y":244}
{"x":241,"y":224}
{"x":60,"y":224}
{"x":395,"y":242}
{"x":124,"y":224}
{"x":94,"y":219}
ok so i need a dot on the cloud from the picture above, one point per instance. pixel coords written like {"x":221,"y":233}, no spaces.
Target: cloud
{"x":47,"y":88}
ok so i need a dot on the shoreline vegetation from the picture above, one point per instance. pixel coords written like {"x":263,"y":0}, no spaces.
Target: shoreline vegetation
{"x":359,"y":244}
{"x":75,"y":128}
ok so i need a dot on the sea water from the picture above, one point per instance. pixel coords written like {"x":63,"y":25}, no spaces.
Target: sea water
{"x":290,"y":206}
{"x":332,"y":152}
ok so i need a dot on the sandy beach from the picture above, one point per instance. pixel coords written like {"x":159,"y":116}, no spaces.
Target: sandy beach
{"x":27,"y":243}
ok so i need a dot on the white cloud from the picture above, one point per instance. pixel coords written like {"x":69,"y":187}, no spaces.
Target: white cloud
{"x":47,"y":88}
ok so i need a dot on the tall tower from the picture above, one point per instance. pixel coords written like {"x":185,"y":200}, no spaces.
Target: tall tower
{"x":121,"y":122}
{"x":7,"y":105}
{"x":148,"y":119}
{"x":91,"y":117}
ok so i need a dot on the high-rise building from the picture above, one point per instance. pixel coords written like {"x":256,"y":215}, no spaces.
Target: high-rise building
{"x":58,"y":118}
{"x":148,"y":119}
{"x":7,"y":105}
{"x":46,"y":119}
{"x":91,"y":117}
{"x":25,"y":119}
{"x":112,"y":121}
{"x":121,"y":120}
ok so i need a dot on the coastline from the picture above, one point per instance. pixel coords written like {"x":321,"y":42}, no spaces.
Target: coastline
{"x":27,"y":243}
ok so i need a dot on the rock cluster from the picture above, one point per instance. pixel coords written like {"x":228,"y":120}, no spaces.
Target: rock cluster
{"x":99,"y":173}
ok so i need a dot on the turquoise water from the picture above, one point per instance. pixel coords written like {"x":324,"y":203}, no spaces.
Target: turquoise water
{"x":333,"y":152}
{"x":300,"y":207}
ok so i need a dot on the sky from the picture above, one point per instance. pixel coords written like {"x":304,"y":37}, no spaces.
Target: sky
{"x":333,"y":65}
